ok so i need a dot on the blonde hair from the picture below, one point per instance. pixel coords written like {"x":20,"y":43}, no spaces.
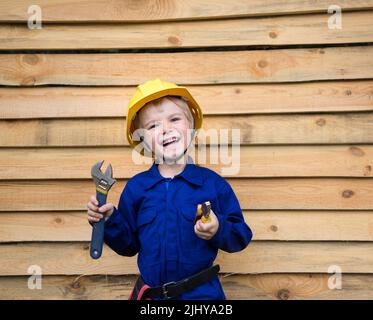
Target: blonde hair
{"x":181,"y":102}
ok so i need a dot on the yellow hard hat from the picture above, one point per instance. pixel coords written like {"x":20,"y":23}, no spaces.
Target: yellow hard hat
{"x":154,"y":89}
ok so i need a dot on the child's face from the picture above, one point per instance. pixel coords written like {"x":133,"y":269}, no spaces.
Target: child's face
{"x":164,"y":122}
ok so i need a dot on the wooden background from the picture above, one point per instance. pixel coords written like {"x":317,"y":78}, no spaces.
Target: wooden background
{"x":302,"y":95}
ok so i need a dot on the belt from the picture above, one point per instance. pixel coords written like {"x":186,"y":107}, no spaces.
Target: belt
{"x":175,"y":288}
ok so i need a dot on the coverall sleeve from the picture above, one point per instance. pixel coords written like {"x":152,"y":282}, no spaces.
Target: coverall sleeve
{"x":233,"y":234}
{"x":120,"y":228}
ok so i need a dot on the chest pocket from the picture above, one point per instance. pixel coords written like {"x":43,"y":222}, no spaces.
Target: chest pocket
{"x":146,"y":217}
{"x":194,"y":249}
{"x":148,"y":232}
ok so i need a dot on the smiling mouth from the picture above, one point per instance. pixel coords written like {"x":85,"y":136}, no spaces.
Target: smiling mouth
{"x":170,"y":141}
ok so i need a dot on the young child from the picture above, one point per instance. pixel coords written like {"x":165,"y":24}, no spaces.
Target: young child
{"x":157,"y":208}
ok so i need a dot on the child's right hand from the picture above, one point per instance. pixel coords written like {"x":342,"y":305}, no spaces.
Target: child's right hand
{"x":95,"y":213}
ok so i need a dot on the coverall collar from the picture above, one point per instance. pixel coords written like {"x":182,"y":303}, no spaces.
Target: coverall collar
{"x":190,"y":173}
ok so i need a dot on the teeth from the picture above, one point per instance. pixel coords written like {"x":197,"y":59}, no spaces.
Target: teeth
{"x":169,"y":140}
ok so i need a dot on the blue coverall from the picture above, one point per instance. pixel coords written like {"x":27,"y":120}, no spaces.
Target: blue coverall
{"x":155,"y":218}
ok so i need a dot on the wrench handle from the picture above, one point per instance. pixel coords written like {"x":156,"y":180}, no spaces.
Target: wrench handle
{"x":98,"y":229}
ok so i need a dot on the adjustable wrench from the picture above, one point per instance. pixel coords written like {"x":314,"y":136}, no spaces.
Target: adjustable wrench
{"x":103,"y":181}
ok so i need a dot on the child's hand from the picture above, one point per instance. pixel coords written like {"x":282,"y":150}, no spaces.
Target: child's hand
{"x":95,"y":214}
{"x":207,"y":230}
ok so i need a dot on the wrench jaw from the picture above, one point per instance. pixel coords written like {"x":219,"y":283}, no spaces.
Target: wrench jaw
{"x":103,"y":181}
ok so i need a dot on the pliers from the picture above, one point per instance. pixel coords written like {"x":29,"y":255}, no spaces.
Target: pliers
{"x":203,"y":212}
{"x":103,"y":181}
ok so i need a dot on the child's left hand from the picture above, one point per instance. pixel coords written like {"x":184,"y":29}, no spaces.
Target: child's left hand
{"x":207,"y":230}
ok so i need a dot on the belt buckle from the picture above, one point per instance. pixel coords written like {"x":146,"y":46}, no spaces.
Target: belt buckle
{"x":164,"y":289}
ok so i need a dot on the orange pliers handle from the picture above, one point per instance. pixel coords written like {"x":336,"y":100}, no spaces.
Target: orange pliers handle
{"x":203,"y":212}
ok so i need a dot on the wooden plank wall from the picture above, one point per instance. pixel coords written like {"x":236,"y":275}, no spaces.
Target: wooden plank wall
{"x":302,"y":95}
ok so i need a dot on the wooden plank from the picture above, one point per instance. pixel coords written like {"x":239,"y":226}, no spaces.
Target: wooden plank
{"x":86,"y":102}
{"x":311,"y":225}
{"x":127,"y":11}
{"x":261,"y":194}
{"x":296,"y":286}
{"x":340,"y":128}
{"x":258,"y":257}
{"x":254,"y":161}
{"x":300,"y":29}
{"x":269,"y":257}
{"x":257,"y":66}
{"x":310,"y":193}
{"x":266,"y":225}
{"x":68,"y":288}
{"x":45,"y":226}
{"x":253,"y":286}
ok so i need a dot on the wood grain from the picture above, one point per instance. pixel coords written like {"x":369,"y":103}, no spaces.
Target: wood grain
{"x":258,"y":257}
{"x":254,"y":66}
{"x":340,"y":128}
{"x":300,"y":29}
{"x":284,"y":225}
{"x":262,"y":194}
{"x":128,"y":11}
{"x":254,"y":161}
{"x":259,"y":287}
{"x":228,"y":99}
